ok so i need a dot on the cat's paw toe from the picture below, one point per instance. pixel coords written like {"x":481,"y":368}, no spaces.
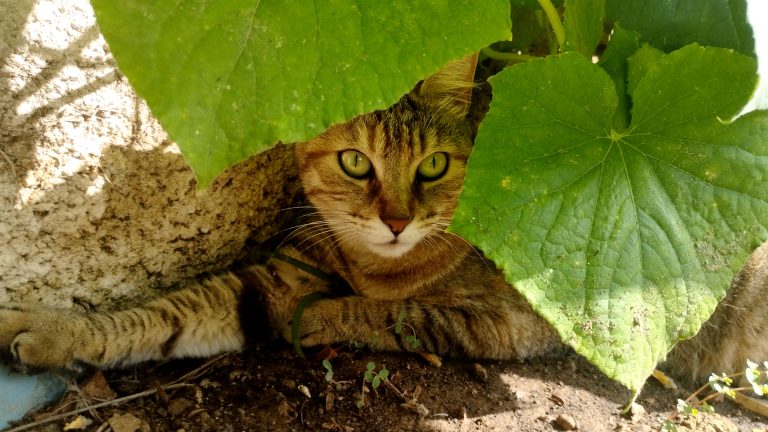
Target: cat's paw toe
{"x":31,"y":340}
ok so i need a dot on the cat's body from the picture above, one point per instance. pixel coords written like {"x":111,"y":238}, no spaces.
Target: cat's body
{"x":383,"y":187}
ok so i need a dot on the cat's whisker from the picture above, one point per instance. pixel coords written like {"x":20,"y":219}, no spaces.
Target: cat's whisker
{"x":295,"y":228}
{"x":288,"y":209}
{"x":330,"y":231}
{"x":336,"y":236}
{"x":474,"y":249}
{"x":303,"y":230}
{"x":338,"y":240}
{"x":323,"y":233}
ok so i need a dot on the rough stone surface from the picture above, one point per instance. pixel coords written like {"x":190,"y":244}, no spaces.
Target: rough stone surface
{"x":96,"y":203}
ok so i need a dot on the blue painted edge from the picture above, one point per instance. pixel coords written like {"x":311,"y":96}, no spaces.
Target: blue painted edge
{"x":20,"y":393}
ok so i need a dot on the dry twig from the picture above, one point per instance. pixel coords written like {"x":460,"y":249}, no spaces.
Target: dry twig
{"x":96,"y":406}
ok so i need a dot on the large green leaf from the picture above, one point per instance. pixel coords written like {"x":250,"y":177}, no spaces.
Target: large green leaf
{"x":624,"y":239}
{"x":229,"y":78}
{"x":622,"y":45}
{"x":671,"y":24}
{"x":583,"y":24}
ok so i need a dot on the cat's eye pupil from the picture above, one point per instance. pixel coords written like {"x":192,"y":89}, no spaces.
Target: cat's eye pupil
{"x":355,"y":164}
{"x":433,"y":167}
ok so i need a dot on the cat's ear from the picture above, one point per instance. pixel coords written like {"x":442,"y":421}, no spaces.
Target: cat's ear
{"x":451,"y":87}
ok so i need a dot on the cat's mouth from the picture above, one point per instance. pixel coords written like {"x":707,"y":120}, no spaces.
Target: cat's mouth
{"x":392,"y":249}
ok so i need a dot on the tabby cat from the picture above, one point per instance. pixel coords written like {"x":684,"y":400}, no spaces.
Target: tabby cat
{"x":383,"y":187}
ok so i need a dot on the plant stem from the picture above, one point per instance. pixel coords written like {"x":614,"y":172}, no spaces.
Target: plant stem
{"x":714,"y":395}
{"x":506,"y":56}
{"x":706,"y":386}
{"x":554,"y":20}
{"x":394,"y":389}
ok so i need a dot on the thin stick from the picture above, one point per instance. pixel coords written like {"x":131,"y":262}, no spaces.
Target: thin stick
{"x":97,"y":406}
{"x":196,"y":373}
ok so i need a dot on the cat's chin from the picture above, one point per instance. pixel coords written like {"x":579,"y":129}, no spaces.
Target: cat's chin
{"x":390,"y":250}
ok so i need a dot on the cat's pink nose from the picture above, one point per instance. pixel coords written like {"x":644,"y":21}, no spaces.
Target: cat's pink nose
{"x":396,"y":225}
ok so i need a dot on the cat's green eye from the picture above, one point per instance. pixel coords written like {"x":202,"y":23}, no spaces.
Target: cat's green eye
{"x":355,"y":164}
{"x":433,"y":167}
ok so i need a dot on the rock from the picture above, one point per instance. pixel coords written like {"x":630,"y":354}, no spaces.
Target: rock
{"x":179,"y":406}
{"x":566,"y":422}
{"x":636,"y":412}
{"x":127,"y":423}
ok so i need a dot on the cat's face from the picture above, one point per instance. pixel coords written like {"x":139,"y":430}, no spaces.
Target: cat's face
{"x":388,"y":181}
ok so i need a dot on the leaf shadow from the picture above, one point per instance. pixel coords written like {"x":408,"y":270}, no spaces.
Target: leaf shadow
{"x":27,"y":69}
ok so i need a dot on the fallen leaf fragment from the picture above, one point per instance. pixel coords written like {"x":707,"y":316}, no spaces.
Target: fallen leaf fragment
{"x":480,"y":372}
{"x":80,"y":423}
{"x":432,"y":359}
{"x":557,"y":399}
{"x":416,"y":407}
{"x":96,"y":387}
{"x":664,"y":379}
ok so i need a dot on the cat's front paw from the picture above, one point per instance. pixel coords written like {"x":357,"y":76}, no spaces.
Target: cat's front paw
{"x":33,"y":338}
{"x":317,"y":326}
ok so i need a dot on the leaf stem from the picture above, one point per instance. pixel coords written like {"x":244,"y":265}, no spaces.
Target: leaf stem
{"x":554,"y":20}
{"x":296,"y":321}
{"x":506,"y":56}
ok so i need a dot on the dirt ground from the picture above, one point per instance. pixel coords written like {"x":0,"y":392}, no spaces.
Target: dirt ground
{"x":269,"y":388}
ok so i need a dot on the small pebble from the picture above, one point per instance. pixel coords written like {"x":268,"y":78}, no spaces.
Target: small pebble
{"x":636,"y":412}
{"x":305,"y":391}
{"x":178,"y":406}
{"x":565,"y":422}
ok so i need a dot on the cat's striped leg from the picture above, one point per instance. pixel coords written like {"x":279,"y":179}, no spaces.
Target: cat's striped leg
{"x":197,"y":321}
{"x":499,"y":329}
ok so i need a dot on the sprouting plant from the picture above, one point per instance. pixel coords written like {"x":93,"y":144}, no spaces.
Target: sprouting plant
{"x":328,"y":370}
{"x":411,"y":339}
{"x":757,"y":378}
{"x":400,"y":324}
{"x":721,"y":385}
{"x":334,"y":387}
{"x":668,"y":426}
{"x":374,"y":378}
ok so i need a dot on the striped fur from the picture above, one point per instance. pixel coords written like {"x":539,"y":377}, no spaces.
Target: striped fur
{"x":383,"y":235}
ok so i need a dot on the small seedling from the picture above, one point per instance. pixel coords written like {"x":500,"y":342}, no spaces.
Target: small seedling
{"x":410,"y":339}
{"x":333,"y":387}
{"x":757,"y":378}
{"x":720,"y":385}
{"x":328,"y":370}
{"x":668,"y":426}
{"x":375,"y":379}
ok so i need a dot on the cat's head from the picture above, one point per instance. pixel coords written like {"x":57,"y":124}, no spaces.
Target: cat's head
{"x":387,"y":181}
